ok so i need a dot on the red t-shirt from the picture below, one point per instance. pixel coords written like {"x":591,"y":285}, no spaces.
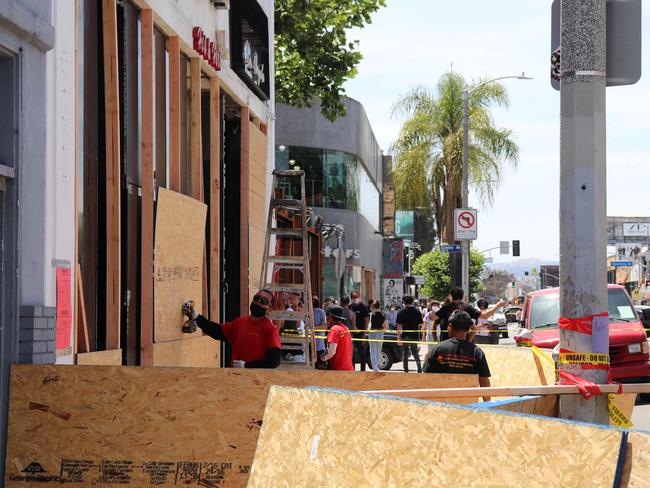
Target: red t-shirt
{"x":251,"y":339}
{"x":342,"y":359}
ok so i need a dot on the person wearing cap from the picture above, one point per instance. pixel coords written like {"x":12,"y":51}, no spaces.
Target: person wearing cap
{"x":254,"y":339}
{"x":339,"y":343}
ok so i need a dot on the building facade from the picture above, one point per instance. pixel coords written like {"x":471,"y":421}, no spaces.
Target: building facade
{"x":105,"y":102}
{"x":343,"y":167}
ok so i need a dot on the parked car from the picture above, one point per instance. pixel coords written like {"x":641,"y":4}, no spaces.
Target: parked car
{"x":643,"y":311}
{"x":390,"y":353}
{"x":498,"y":322}
{"x":512,"y":313}
{"x":628,"y":345}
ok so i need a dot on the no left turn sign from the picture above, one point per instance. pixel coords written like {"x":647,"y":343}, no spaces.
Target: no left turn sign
{"x":465,"y":228}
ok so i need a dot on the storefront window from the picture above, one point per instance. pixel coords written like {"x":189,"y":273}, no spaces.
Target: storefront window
{"x":333,"y":179}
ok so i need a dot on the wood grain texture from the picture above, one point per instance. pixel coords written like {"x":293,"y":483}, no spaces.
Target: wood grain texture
{"x":82,"y":342}
{"x":165,"y":415}
{"x":215,"y":199}
{"x":174,"y":49}
{"x":517,"y":366}
{"x":111,"y":357}
{"x":146,"y":240}
{"x":439,"y":445}
{"x":178,"y":268}
{"x":257,"y":193}
{"x":636,"y":471}
{"x":112,"y":143}
{"x":202,"y":351}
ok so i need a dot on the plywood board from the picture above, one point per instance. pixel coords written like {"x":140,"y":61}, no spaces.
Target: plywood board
{"x":178,"y":266}
{"x":517,"y":366}
{"x":545,"y":405}
{"x":112,"y":357}
{"x":195,"y":352}
{"x":159,"y":415}
{"x":439,"y":445}
{"x":637,"y":460}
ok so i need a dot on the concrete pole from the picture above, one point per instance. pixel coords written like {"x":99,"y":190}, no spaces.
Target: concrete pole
{"x":465,"y":244}
{"x":583,"y":288}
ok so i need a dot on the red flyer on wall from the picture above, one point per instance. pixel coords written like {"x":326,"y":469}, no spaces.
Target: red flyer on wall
{"x":63,"y":308}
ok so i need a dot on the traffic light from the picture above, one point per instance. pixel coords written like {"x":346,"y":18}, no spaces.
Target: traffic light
{"x":515,"y":248}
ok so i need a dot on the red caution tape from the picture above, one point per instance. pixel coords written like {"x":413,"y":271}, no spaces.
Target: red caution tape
{"x":587,"y":388}
{"x":582,"y":324}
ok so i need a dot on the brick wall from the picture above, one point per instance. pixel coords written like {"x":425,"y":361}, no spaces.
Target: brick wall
{"x":37,"y":335}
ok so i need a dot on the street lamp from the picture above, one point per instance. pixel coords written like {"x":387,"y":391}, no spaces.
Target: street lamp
{"x":465,"y":243}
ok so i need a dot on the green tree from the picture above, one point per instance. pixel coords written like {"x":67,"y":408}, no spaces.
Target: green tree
{"x":428,"y":153}
{"x":496,"y":282}
{"x":313,"y":56}
{"x":434,"y":266}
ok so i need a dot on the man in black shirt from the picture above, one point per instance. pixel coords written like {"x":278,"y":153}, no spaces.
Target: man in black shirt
{"x":457,"y":355}
{"x":409,"y":329}
{"x":362,"y":318}
{"x":457,"y":303}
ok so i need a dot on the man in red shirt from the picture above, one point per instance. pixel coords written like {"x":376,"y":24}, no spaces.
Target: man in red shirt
{"x":254,"y":338}
{"x":339,"y":342}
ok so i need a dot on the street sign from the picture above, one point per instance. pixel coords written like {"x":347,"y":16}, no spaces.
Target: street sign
{"x":623,"y":42}
{"x":465,"y":228}
{"x":634,"y":229}
{"x":451,"y":248}
{"x":419,"y":279}
{"x":504,"y":247}
{"x":620,"y":264}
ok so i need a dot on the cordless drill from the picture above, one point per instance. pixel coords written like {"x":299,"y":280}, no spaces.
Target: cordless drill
{"x":189,"y":327}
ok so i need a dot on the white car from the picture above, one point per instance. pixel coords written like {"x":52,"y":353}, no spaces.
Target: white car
{"x":498,"y":322}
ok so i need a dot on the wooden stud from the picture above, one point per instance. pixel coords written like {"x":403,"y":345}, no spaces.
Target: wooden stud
{"x":112,"y":116}
{"x":265,"y":129}
{"x":174,"y":48}
{"x":146,"y":242}
{"x":82,"y":341}
{"x":196,"y":156}
{"x":215,"y":198}
{"x":244,"y":176}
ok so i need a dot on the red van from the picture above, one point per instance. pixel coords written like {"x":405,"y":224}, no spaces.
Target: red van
{"x":628,"y":345}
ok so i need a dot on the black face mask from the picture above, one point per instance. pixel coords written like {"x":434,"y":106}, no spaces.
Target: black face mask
{"x":257,"y":310}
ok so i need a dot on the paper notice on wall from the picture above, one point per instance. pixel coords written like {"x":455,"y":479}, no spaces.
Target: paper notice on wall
{"x":63,"y":308}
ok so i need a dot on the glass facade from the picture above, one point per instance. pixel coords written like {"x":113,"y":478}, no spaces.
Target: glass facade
{"x":333,"y":179}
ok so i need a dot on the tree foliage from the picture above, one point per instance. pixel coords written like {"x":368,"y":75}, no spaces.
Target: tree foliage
{"x":496,"y":282}
{"x":313,"y":56}
{"x":428,"y":153}
{"x":434,"y":266}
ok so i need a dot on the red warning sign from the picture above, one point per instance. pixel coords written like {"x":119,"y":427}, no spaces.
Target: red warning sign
{"x":465,"y":224}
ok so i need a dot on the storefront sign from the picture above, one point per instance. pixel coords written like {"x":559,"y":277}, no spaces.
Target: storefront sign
{"x":393,"y":254}
{"x":349,"y":253}
{"x":206,"y":48}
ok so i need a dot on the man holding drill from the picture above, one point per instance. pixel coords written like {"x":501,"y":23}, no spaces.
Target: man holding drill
{"x":254,"y":339}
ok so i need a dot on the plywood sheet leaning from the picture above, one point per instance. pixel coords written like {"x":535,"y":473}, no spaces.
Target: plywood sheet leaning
{"x":112,"y":357}
{"x":178,"y":266}
{"x":545,"y":405}
{"x":158,"y":425}
{"x":196,"y":352}
{"x":445,"y":444}
{"x":636,"y":472}
{"x":517,"y":366}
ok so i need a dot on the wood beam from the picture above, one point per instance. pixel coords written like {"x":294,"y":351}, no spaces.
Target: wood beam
{"x":146,"y":241}
{"x":82,"y":340}
{"x":244,"y":176}
{"x":112,"y":135}
{"x":215,"y":199}
{"x":174,"y":48}
{"x":196,"y":155}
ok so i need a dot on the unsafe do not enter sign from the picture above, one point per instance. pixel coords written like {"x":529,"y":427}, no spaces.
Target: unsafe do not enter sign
{"x":465,"y":228}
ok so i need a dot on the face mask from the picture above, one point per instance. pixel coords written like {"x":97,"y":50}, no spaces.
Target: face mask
{"x":257,"y":310}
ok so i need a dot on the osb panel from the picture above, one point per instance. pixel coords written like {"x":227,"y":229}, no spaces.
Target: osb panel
{"x":636,"y":472}
{"x":394,"y":442}
{"x":159,"y":419}
{"x":196,"y":352}
{"x":545,"y":405}
{"x":625,"y":402}
{"x":112,"y":357}
{"x":178,"y":267}
{"x":517,"y":366}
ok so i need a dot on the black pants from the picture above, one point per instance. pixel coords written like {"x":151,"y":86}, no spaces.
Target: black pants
{"x":361,"y":355}
{"x":407,"y":350}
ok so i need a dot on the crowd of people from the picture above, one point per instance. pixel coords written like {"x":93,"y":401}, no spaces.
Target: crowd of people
{"x":352,"y":332}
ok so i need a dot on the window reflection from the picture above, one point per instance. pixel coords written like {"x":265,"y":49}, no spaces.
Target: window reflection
{"x":333,"y":179}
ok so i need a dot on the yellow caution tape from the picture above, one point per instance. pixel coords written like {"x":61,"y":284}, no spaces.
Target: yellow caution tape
{"x":540,"y":353}
{"x":584,"y":358}
{"x":616,"y":415}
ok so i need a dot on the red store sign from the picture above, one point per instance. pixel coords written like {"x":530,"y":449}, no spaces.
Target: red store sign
{"x":206,"y":48}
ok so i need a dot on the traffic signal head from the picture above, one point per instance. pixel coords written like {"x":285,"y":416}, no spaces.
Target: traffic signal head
{"x":515,"y":248}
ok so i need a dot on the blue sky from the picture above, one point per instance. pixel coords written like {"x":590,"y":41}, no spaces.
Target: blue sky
{"x":413,"y":42}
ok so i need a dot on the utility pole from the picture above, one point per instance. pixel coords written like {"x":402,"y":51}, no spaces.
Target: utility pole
{"x":583,"y":289}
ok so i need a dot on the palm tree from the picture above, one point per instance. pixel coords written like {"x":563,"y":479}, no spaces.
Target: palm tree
{"x":428,"y":154}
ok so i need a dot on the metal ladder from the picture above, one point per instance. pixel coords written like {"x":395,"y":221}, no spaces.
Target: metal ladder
{"x":300,"y":343}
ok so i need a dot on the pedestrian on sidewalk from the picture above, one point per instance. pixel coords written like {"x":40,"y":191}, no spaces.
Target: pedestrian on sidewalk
{"x":362,"y":319}
{"x":457,"y":355}
{"x":409,"y":328}
{"x":429,"y":324}
{"x":254,"y":339}
{"x":320,"y":323}
{"x":378,"y":324}
{"x":339,"y":343}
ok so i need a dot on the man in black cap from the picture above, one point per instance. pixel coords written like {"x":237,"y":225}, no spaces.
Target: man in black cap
{"x":339,"y":342}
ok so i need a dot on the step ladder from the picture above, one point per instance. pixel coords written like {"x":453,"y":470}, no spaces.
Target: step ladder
{"x":273,"y":265}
